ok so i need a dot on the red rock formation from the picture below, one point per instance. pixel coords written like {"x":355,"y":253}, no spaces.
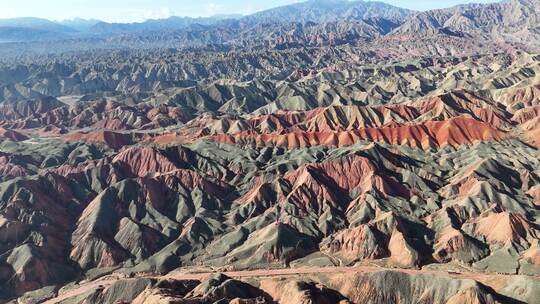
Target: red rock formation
{"x":338,"y":118}
{"x":453,"y":244}
{"x":522,"y":97}
{"x":331,"y":118}
{"x":348,"y":173}
{"x":450,"y":105}
{"x":356,"y":243}
{"x":9,"y":169}
{"x":453,"y":132}
{"x":503,"y":228}
{"x":532,"y":255}
{"x":534,"y":193}
{"x":532,"y":131}
{"x":144,"y":160}
{"x":523,"y":115}
{"x":401,"y":252}
{"x":110,"y":124}
{"x":111,"y":139}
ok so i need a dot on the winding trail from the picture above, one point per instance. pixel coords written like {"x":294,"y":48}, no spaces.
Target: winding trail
{"x":262,"y":273}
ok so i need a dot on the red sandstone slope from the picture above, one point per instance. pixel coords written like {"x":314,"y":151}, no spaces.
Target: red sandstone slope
{"x":522,"y":97}
{"x":143,"y":161}
{"x":454,"y":104}
{"x":10,"y":169}
{"x":531,"y":130}
{"x":352,"y":117}
{"x":112,"y":139}
{"x":347,"y":174}
{"x":453,"y":132}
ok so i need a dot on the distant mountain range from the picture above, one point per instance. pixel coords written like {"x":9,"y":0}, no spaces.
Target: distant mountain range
{"x":172,"y":23}
{"x":37,"y":29}
{"x":331,"y":11}
{"x":36,"y":23}
{"x":79,"y":24}
{"x":311,"y":23}
{"x":318,"y":11}
{"x":32,"y":29}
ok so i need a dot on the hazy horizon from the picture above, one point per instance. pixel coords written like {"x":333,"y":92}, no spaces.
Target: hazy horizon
{"x":141,"y":10}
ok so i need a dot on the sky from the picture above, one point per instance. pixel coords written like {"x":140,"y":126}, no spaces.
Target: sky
{"x":140,"y":10}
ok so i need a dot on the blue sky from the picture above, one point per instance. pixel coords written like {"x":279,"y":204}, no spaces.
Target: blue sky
{"x":139,"y":10}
